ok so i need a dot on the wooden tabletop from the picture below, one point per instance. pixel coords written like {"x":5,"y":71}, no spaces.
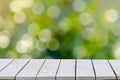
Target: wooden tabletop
{"x":59,"y":69}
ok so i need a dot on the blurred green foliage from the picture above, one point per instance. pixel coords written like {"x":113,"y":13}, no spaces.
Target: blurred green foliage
{"x":59,"y":29}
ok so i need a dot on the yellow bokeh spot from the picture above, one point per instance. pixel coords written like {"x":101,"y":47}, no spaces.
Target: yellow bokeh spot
{"x":53,"y":44}
{"x":25,"y":44}
{"x":19,"y":17}
{"x":34,"y":29}
{"x":85,"y":18}
{"x":45,"y":35}
{"x":53,"y":12}
{"x":4,"y":41}
{"x":111,"y":15}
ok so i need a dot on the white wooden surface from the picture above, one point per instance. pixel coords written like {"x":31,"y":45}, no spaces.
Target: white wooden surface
{"x":4,"y":63}
{"x":66,"y":70}
{"x":49,"y":69}
{"x":84,"y":70}
{"x":103,"y":70}
{"x":12,"y":69}
{"x":39,"y":69}
{"x":116,"y":66}
{"x":30,"y":71}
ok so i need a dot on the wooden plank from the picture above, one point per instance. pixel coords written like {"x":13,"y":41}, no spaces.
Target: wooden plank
{"x":49,"y":69}
{"x":103,"y":70}
{"x":12,"y":69}
{"x":66,"y":70}
{"x":84,"y":70}
{"x":116,"y":67}
{"x":30,"y":71}
{"x":4,"y":63}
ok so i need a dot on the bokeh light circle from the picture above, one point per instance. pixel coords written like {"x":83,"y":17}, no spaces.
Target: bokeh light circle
{"x":53,"y":11}
{"x":111,"y":15}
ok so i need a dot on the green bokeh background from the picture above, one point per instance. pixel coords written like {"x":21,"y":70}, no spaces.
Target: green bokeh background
{"x":60,"y":29}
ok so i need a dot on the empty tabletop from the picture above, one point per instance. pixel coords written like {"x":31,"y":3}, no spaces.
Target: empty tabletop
{"x":13,"y":69}
{"x":4,"y":63}
{"x":84,"y":70}
{"x":66,"y":70}
{"x":49,"y":70}
{"x":116,"y":67}
{"x":30,"y":71}
{"x":103,"y":70}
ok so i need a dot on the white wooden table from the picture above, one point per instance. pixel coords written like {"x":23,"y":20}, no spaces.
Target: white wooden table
{"x":59,"y":69}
